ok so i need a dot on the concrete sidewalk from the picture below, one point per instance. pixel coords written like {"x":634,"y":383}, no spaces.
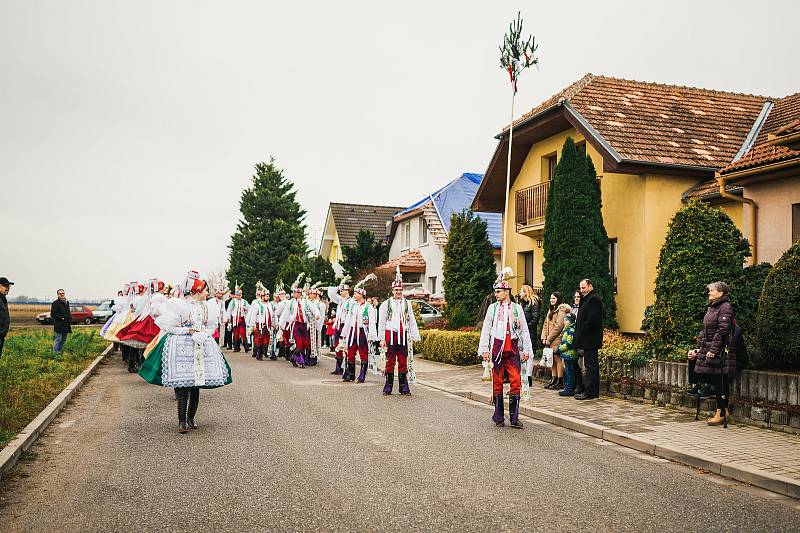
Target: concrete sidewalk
{"x":761,"y":457}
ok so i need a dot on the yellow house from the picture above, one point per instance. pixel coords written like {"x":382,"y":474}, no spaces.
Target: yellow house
{"x":343,"y":223}
{"x":650,"y":144}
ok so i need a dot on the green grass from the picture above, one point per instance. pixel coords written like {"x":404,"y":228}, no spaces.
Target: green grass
{"x":31,"y":376}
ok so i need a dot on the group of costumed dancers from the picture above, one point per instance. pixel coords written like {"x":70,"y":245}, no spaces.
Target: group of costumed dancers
{"x":174,"y":337}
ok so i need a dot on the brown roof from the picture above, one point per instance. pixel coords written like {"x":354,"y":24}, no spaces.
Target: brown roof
{"x":659,"y":123}
{"x":785,"y":112}
{"x":709,"y":189}
{"x":349,"y":219}
{"x":411,"y":261}
{"x":762,"y":155}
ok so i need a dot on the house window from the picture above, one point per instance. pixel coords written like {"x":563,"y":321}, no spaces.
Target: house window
{"x":795,"y":222}
{"x":528,"y":258}
{"x":613,"y":261}
{"x":549,"y":163}
{"x":581,"y":146}
{"x":406,"y":235}
{"x":432,"y":284}
{"x":423,"y":231}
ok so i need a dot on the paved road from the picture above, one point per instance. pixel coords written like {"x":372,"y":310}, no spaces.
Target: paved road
{"x":291,"y":449}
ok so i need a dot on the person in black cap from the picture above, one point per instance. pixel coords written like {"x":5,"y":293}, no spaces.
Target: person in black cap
{"x":5,"y":318}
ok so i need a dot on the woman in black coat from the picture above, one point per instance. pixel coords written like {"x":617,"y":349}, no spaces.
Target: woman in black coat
{"x":714,"y":358}
{"x":532,"y":306}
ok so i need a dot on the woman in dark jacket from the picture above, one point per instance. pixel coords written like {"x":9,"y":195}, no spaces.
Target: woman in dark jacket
{"x":714,"y":357}
{"x":531,"y":306}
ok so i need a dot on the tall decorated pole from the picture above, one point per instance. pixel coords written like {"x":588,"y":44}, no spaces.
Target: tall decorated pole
{"x":516,"y":55}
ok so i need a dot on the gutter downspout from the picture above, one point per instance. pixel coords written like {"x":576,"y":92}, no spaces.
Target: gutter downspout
{"x":722,"y":181}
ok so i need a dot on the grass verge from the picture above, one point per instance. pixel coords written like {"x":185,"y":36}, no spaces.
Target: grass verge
{"x":31,"y":376}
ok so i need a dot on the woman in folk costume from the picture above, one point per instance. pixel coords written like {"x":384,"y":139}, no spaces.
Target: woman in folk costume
{"x":259,"y":321}
{"x":358,"y":331}
{"x":317,"y":327}
{"x":236,"y":316}
{"x":397,"y":328}
{"x":142,"y":329}
{"x":504,"y":329}
{"x":297,"y":316}
{"x":341,"y":297}
{"x":220,"y":290}
{"x":122,"y":312}
{"x":187,"y":358}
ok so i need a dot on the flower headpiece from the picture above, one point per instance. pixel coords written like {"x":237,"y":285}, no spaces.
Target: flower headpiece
{"x":398,"y":279}
{"x":359,"y":286}
{"x":296,"y":285}
{"x":502,"y":280}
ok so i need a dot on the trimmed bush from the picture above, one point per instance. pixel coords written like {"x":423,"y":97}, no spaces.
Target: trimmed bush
{"x":702,"y":245}
{"x":451,"y":347}
{"x":778,"y":321}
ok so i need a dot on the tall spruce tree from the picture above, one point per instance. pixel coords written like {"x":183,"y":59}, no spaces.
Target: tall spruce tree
{"x":575,"y":239}
{"x":271,"y":228}
{"x":367,"y":253}
{"x":468,"y":270}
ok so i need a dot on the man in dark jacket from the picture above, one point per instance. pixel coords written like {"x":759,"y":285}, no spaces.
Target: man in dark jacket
{"x":62,"y":321}
{"x":5,"y":318}
{"x":589,"y":337}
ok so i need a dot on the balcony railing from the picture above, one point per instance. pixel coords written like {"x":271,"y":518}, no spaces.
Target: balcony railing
{"x":531,"y":205}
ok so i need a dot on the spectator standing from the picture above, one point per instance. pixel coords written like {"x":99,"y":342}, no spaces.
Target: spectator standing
{"x":579,"y":367}
{"x":532,"y":306}
{"x":569,"y":356}
{"x":62,"y":321}
{"x":5,"y":317}
{"x":589,"y":337}
{"x":551,"y":338}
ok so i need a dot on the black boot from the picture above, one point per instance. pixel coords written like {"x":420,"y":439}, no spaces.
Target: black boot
{"x":194,"y":401}
{"x":362,"y":376}
{"x":350,"y":372}
{"x":513,"y":415}
{"x":387,"y":388}
{"x":182,"y":393}
{"x":552,"y":382}
{"x":402,"y":378}
{"x":338,"y":370}
{"x":498,"y":417}
{"x":559,"y":384}
{"x":530,"y":381}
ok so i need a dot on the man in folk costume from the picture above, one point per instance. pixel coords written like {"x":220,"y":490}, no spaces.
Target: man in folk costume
{"x":236,"y":315}
{"x":504,"y":329}
{"x":295,"y":319}
{"x":341,"y":297}
{"x":316,"y":327}
{"x":221,"y":335}
{"x":259,"y":321}
{"x":358,"y":331}
{"x":397,"y":328}
{"x":276,"y":339}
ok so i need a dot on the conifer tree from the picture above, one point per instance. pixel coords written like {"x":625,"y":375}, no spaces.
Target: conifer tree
{"x":270,"y":229}
{"x":367,"y":253}
{"x":469,"y":269}
{"x":575,"y":239}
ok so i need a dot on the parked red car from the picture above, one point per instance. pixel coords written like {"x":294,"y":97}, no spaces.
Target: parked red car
{"x":80,"y":315}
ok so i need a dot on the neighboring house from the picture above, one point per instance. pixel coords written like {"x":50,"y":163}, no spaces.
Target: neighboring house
{"x":343,"y":223}
{"x":649,"y":142}
{"x":419,"y":232}
{"x":766,"y":181}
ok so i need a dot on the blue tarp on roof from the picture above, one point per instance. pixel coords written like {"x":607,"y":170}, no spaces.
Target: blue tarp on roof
{"x":457,"y":196}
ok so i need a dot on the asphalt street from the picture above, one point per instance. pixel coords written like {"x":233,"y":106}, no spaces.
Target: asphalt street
{"x":296,"y":449}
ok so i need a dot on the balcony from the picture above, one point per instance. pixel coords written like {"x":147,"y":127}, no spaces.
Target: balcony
{"x":530,"y":208}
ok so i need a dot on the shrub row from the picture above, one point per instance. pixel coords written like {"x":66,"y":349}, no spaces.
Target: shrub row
{"x":452,"y":347}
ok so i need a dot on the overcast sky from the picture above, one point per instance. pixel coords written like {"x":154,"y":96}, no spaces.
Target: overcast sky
{"x":129,"y":129}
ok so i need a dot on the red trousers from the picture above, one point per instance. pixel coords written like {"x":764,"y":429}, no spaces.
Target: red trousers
{"x":506,"y":362}
{"x":361,"y":347}
{"x":260,"y":336}
{"x":239,"y":331}
{"x":399,"y":353}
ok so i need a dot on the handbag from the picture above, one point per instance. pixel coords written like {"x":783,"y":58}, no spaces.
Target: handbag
{"x":713,"y":362}
{"x":547,"y":358}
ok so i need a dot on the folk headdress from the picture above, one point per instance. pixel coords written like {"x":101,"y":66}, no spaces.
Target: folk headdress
{"x":359,"y":288}
{"x":237,"y":289}
{"x":296,"y":285}
{"x":314,"y":288}
{"x":191,"y":282}
{"x":156,"y":285}
{"x":221,"y":285}
{"x":279,"y":288}
{"x":343,"y":286}
{"x":398,"y":279}
{"x":502,"y":280}
{"x":261,"y":289}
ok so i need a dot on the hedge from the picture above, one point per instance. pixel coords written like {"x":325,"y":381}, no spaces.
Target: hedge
{"x":451,"y":347}
{"x":778,"y":321}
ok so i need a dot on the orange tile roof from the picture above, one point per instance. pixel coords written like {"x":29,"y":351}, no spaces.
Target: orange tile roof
{"x":709,"y":189}
{"x":762,"y":155}
{"x":659,"y":123}
{"x":785,"y":112}
{"x":411,"y":261}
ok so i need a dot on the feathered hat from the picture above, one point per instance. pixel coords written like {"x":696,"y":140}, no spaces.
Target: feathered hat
{"x":261,"y":289}
{"x":296,"y":285}
{"x":221,"y":285}
{"x":398,"y":279}
{"x":314,"y":288}
{"x":279,"y":288}
{"x":237,"y":289}
{"x":343,"y":286}
{"x":502,"y":280}
{"x":359,"y":288}
{"x":191,"y":282}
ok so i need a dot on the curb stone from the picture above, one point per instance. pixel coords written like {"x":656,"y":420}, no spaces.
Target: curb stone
{"x":25,"y":438}
{"x":742,"y":473}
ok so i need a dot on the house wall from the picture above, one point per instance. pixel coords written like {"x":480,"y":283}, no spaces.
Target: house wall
{"x":774,"y":217}
{"x":636,"y":211}
{"x":431,"y":252}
